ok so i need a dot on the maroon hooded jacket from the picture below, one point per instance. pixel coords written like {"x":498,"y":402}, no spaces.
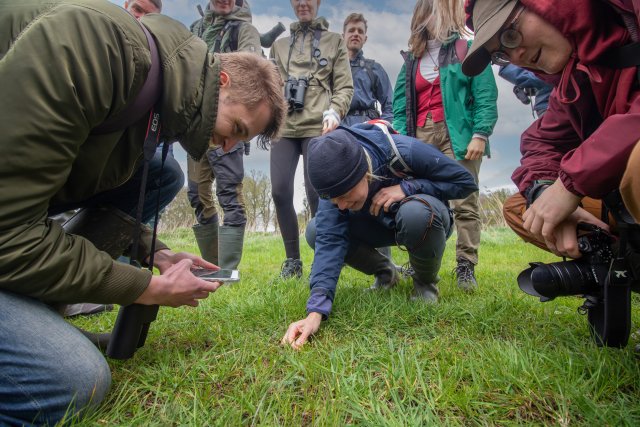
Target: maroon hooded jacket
{"x":593,"y":120}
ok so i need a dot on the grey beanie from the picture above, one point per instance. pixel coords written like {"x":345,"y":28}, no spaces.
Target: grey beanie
{"x":336,"y":163}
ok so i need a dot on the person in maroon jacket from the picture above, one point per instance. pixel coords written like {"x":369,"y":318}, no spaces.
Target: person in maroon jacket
{"x":581,"y":149}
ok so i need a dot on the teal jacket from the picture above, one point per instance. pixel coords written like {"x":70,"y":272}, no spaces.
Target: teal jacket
{"x":470,"y":103}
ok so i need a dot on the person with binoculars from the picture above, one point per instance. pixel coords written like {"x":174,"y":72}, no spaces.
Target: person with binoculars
{"x":314,"y":64}
{"x":368,"y":201}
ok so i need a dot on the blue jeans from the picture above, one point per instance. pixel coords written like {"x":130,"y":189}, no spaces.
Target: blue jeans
{"x":125,"y":197}
{"x":47,"y":367}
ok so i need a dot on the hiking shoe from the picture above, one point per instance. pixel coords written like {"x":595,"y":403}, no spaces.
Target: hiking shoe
{"x":426,"y":292}
{"x":464,"y":272}
{"x":86,"y":309}
{"x":407,"y":270}
{"x":386,"y":280}
{"x":291,"y":268}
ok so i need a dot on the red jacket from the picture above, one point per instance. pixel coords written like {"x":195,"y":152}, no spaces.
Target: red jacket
{"x":593,"y":120}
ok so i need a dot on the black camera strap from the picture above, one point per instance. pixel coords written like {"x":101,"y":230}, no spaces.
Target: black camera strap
{"x":151,"y":142}
{"x":314,"y":52}
{"x":610,"y":316}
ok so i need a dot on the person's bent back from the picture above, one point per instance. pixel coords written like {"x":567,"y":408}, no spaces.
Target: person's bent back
{"x":67,"y":67}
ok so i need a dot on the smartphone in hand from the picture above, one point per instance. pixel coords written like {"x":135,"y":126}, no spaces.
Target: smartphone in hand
{"x":223,"y":275}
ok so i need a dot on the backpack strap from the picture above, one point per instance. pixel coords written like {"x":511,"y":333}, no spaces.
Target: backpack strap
{"x":628,"y":55}
{"x":368,"y":65}
{"x":623,"y":57}
{"x":397,"y":165}
{"x":231,"y":27}
{"x":144,"y":101}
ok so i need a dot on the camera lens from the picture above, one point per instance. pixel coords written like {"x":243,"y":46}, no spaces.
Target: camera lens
{"x":548,"y":281}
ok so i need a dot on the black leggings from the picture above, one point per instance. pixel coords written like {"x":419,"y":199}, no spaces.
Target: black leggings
{"x":285,"y":154}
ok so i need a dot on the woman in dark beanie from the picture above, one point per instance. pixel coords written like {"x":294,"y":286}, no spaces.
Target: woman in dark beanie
{"x":375,"y":194}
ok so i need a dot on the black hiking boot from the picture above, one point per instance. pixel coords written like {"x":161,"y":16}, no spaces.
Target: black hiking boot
{"x":291,"y":268}
{"x":465,"y":276}
{"x":426,"y":292}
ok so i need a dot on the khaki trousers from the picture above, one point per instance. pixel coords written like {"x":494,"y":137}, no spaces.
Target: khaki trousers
{"x":466,"y":211}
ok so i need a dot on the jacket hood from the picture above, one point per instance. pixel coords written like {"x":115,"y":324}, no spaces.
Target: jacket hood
{"x":239,"y":13}
{"x":319,"y":23}
{"x":592,"y":28}
{"x":189,"y":102}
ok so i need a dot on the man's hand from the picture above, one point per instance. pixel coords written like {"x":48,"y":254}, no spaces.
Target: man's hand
{"x":177,"y":286}
{"x":475,"y":149}
{"x":385,"y":198}
{"x":165,"y":258}
{"x":554,"y":217}
{"x":300,"y":331}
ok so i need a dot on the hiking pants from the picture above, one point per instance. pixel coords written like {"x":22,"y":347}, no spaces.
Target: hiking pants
{"x":227,"y":169}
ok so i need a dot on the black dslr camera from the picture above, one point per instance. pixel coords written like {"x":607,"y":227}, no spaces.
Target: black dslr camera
{"x":601,"y":276}
{"x":294,"y":92}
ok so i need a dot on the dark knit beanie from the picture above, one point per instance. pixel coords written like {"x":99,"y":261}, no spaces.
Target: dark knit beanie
{"x":336,"y":163}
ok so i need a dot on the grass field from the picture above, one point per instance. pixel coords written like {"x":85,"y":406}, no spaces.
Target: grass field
{"x":496,"y":357}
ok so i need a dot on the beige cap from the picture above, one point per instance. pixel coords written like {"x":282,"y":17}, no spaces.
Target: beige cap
{"x":488,"y":17}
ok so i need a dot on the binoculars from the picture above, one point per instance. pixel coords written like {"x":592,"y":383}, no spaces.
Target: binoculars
{"x":294,"y":92}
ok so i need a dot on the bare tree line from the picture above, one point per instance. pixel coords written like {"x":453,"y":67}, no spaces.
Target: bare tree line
{"x":261,"y":213}
{"x":259,"y":207}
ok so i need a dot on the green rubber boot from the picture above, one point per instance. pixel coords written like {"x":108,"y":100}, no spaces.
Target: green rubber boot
{"x":425,"y":278}
{"x":230,"y":242}
{"x":207,"y":238}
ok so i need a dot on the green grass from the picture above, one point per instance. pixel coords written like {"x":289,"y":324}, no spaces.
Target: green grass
{"x":496,"y":357}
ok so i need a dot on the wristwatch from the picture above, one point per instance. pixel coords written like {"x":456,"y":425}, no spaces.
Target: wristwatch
{"x":536,"y":189}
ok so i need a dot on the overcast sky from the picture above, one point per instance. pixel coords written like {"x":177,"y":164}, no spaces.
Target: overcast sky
{"x":388,"y":22}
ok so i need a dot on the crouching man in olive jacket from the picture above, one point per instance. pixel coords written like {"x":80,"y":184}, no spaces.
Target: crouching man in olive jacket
{"x":66,"y":67}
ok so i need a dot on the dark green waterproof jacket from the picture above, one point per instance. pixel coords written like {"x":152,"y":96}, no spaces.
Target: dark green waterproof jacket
{"x":217,"y":31}
{"x":65,"y":67}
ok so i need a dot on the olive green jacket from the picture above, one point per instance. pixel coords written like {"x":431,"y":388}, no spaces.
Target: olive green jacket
{"x":65,"y":67}
{"x":210,"y":26}
{"x":330,"y":86}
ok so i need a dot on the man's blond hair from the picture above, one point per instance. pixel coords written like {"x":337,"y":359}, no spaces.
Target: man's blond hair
{"x":254,"y":80}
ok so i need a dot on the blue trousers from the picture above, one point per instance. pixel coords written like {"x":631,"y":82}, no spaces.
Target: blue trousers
{"x":422,"y":225}
{"x":48,"y":369}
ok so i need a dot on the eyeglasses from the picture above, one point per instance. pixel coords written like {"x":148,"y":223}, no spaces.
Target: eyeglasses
{"x":509,"y":38}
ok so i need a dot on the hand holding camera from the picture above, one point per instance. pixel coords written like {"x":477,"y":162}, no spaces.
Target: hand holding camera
{"x":601,"y":275}
{"x":553,"y":217}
